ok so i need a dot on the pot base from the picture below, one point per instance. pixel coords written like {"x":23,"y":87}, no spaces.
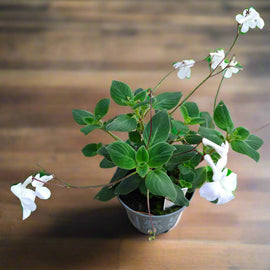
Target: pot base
{"x":162,"y":223}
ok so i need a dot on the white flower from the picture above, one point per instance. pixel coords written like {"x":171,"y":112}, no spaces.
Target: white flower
{"x":221,"y":190}
{"x":223,"y":185}
{"x":250,"y":19}
{"x":230,"y":68}
{"x":38,"y":182}
{"x":184,"y":68}
{"x":26,"y":196}
{"x":217,"y":58}
{"x":222,"y":150}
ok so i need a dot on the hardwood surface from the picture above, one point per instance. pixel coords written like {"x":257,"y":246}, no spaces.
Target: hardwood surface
{"x":59,"y":55}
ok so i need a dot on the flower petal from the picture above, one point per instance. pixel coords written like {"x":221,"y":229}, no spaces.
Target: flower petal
{"x":41,"y":180}
{"x":43,"y":193}
{"x":188,"y":73}
{"x":240,"y":18}
{"x":181,"y":74}
{"x":225,"y":196}
{"x":244,"y":28}
{"x":28,"y":204}
{"x":16,"y":189}
{"x":210,"y":191}
{"x":230,"y":182}
{"x":227,"y":73}
{"x":26,"y":213}
{"x":260,"y":23}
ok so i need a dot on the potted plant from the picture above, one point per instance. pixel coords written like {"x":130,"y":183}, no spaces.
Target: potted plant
{"x":165,"y":159}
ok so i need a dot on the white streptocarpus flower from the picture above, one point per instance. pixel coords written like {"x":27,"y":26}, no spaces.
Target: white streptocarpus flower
{"x":250,"y":19}
{"x":220,"y":189}
{"x":38,"y":182}
{"x":26,"y":197}
{"x":184,"y":68}
{"x":223,"y":185}
{"x":222,"y":150}
{"x":230,"y":68}
{"x":217,"y":58}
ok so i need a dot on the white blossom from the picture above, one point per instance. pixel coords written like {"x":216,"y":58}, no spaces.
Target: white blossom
{"x":217,"y":58}
{"x":222,"y":150}
{"x":184,"y":68}
{"x":250,"y":19}
{"x":41,"y":191}
{"x":223,"y":185}
{"x":221,"y":190}
{"x":26,"y":197}
{"x":230,"y":68}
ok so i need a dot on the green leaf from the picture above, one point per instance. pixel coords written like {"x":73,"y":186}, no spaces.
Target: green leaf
{"x":200,"y":177}
{"x":208,"y":120}
{"x":102,"y":108}
{"x":89,"y":128}
{"x":142,"y":155}
{"x":222,"y":117}
{"x":159,"y":154}
{"x":104,"y":152}
{"x":157,"y":128}
{"x":182,"y":154}
{"x":192,"y":137}
{"x":186,"y":173}
{"x":143,"y":170}
{"x":141,"y":104}
{"x":181,"y":199}
{"x":88,"y":120}
{"x":196,"y":121}
{"x":141,"y":96}
{"x":194,"y":161}
{"x":107,"y":192}
{"x":122,"y":155}
{"x":128,"y":185}
{"x":106,"y":164}
{"x":138,"y":91}
{"x":189,"y":111}
{"x":185,"y":184}
{"x":179,"y":128}
{"x":248,"y":146}
{"x":90,"y":150}
{"x":240,"y":133}
{"x":254,"y":141}
{"x":167,"y":100}
{"x":79,"y":116}
{"x":160,"y":184}
{"x":123,"y":123}
{"x":244,"y":148}
{"x":135,"y":136}
{"x":121,"y":93}
{"x":211,"y":134}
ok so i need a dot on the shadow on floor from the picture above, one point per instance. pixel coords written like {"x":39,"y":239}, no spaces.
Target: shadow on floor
{"x":83,"y":238}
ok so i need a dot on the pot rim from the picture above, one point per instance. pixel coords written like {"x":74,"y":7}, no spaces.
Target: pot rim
{"x":154,"y":216}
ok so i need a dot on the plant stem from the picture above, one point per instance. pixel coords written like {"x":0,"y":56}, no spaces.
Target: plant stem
{"x":211,"y":74}
{"x":191,"y":93}
{"x":112,"y":135}
{"x":215,"y":101}
{"x":150,"y":133}
{"x":235,"y":39}
{"x":163,"y":79}
{"x":153,"y":232}
{"x":66,"y":185}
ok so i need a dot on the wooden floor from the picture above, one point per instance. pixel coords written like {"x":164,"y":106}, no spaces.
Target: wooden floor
{"x":59,"y":55}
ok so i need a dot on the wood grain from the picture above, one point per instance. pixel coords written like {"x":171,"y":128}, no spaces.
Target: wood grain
{"x":59,"y":55}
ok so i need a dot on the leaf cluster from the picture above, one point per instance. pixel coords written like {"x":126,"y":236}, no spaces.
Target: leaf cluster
{"x":162,"y":153}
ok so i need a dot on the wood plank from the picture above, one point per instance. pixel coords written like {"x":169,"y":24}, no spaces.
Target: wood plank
{"x":63,"y":54}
